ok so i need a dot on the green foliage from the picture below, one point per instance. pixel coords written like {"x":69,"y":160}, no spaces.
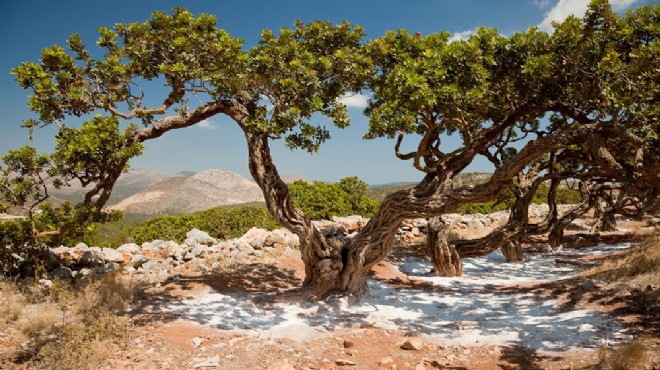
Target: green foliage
{"x":220,"y":223}
{"x":505,"y":199}
{"x":303,"y":71}
{"x":322,"y":201}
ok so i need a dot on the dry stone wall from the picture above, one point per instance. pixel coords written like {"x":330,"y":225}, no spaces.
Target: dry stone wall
{"x":159,"y":259}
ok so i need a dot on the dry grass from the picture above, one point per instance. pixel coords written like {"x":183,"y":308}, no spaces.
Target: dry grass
{"x":633,"y":356}
{"x":39,"y":319}
{"x":113,"y":293}
{"x":68,"y":326}
{"x":638,"y":269}
{"x":11,"y":304}
{"x":84,"y":345}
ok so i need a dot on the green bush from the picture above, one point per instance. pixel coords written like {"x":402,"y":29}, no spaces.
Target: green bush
{"x":323,"y":201}
{"x":220,"y":223}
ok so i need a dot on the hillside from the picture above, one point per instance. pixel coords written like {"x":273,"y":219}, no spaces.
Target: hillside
{"x":380,"y":191}
{"x":129,"y":183}
{"x":191,"y":193}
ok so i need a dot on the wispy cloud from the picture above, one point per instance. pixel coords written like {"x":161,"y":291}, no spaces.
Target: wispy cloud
{"x":464,"y":35}
{"x":355,"y":100}
{"x":542,"y":3}
{"x":565,"y":8}
{"x":207,"y":125}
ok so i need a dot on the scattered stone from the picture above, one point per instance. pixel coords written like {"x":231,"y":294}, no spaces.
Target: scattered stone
{"x":45,"y":283}
{"x":420,"y":367}
{"x":198,"y":341}
{"x":206,"y":362}
{"x":386,"y":361}
{"x":345,"y":362}
{"x":413,"y":344}
{"x":349,"y":344}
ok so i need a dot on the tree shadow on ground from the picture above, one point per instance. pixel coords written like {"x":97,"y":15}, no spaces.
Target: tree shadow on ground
{"x":259,"y":282}
{"x":520,"y":357}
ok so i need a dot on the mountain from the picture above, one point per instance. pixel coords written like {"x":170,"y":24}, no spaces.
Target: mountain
{"x":129,"y":183}
{"x":190,"y":193}
{"x":380,"y":191}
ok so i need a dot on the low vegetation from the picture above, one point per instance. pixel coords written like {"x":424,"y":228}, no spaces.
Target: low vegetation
{"x":67,"y":326}
{"x":322,"y":201}
{"x":221,"y":223}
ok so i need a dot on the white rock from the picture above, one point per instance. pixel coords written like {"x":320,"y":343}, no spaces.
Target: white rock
{"x":131,"y":248}
{"x":112,"y":255}
{"x":196,"y":236}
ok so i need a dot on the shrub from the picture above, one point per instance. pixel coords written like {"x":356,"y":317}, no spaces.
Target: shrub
{"x":323,"y":201}
{"x":220,"y":223}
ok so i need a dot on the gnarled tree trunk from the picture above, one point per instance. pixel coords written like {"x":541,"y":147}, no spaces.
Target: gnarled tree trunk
{"x":512,"y":251}
{"x":445,"y":259}
{"x":322,"y":262}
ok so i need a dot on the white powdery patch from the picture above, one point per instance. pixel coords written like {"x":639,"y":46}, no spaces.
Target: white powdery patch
{"x":462,"y":311}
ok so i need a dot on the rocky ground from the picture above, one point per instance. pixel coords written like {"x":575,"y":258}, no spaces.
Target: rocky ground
{"x":205,"y":304}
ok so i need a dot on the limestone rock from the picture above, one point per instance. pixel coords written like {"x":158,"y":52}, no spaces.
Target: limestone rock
{"x":196,"y":236}
{"x":62,"y":272}
{"x":255,"y":237}
{"x":113,"y":255}
{"x":345,"y":362}
{"x":131,"y":248}
{"x":138,"y":260}
{"x":385,"y":361}
{"x":91,"y":257}
{"x":413,"y":344}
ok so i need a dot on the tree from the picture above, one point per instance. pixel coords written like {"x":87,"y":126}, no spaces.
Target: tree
{"x":484,"y":90}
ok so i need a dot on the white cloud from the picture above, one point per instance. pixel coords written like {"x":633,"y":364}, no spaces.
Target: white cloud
{"x":565,"y":8}
{"x":463,"y":35}
{"x":355,"y":100}
{"x":542,"y":3}
{"x":207,"y":125}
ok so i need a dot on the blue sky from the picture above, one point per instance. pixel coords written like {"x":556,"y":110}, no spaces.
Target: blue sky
{"x":27,"y":26}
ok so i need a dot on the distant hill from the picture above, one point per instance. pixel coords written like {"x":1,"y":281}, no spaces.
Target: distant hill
{"x":380,"y":191}
{"x":128,"y":184}
{"x":191,"y":193}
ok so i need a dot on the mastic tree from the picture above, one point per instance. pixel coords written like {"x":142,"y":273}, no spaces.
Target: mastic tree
{"x":423,"y":89}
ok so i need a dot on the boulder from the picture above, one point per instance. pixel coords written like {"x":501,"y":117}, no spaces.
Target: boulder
{"x":196,"y":236}
{"x":131,"y":248}
{"x":138,"y":260}
{"x":154,"y":250}
{"x":91,"y":257}
{"x":66,"y":256}
{"x":62,"y":273}
{"x":113,"y":255}
{"x":413,"y":344}
{"x":255,"y":237}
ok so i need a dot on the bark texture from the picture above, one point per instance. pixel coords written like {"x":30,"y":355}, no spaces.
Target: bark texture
{"x":445,"y":259}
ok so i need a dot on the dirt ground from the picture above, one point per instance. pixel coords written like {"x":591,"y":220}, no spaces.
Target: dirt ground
{"x":165,"y":341}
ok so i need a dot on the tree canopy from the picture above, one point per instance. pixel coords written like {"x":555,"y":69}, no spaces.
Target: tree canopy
{"x":595,"y":79}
